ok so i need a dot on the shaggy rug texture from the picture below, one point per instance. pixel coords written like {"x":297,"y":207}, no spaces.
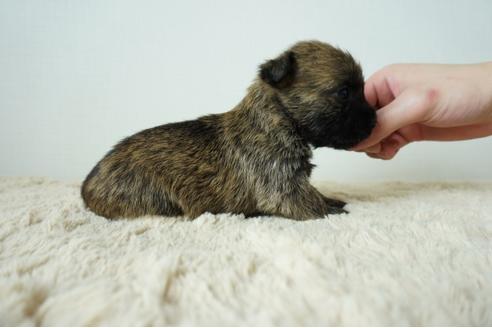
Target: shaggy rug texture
{"x":407,"y":254}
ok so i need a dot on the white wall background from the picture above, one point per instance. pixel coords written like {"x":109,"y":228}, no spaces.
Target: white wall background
{"x":77,"y":76}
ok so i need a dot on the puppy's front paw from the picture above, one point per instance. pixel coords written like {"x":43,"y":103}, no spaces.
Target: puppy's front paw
{"x":334,"y":202}
{"x":336,"y":210}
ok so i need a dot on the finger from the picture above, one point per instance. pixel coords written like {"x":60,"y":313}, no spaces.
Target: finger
{"x":370,"y":93}
{"x":380,"y":156}
{"x":391,"y":146}
{"x":377,"y":91}
{"x":387,"y":152}
{"x":373,"y":149}
{"x":405,"y":110}
{"x":383,"y":92}
{"x":396,"y":140}
{"x":376,"y":156}
{"x":381,"y":88}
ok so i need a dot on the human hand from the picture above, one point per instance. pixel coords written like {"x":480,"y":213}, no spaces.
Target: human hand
{"x":417,"y":102}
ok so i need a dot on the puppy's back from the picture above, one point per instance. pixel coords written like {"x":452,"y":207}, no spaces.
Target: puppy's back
{"x":142,"y":174}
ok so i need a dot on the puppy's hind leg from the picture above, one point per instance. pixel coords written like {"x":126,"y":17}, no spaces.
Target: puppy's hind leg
{"x":163,"y":205}
{"x":302,"y":203}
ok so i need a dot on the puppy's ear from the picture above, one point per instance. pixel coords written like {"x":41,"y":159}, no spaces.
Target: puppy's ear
{"x":279,"y":72}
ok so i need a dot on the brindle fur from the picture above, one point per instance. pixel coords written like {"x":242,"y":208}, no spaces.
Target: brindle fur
{"x":254,"y":159}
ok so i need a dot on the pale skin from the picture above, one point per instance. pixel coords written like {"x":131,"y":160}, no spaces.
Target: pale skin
{"x":417,"y":102}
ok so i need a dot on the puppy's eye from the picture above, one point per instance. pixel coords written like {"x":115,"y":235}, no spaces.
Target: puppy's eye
{"x":343,"y":93}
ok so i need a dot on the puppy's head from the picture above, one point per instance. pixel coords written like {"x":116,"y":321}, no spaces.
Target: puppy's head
{"x":322,"y":90}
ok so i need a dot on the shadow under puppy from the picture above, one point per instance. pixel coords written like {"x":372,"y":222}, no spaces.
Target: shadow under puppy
{"x":254,"y":159}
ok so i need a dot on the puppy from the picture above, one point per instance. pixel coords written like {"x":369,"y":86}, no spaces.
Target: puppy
{"x":254,"y":159}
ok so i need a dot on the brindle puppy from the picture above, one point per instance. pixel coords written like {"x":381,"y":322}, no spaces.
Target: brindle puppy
{"x":254,"y":159}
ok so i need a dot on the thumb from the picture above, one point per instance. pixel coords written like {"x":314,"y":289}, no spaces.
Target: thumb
{"x":408,"y":108}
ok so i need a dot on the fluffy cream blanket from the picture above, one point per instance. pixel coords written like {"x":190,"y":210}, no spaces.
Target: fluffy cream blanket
{"x":407,"y":254}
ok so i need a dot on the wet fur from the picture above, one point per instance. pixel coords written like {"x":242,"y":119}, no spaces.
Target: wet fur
{"x":254,"y":159}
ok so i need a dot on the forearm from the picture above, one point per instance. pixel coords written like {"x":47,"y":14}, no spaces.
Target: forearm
{"x":487,"y":88}
{"x":456,"y":133}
